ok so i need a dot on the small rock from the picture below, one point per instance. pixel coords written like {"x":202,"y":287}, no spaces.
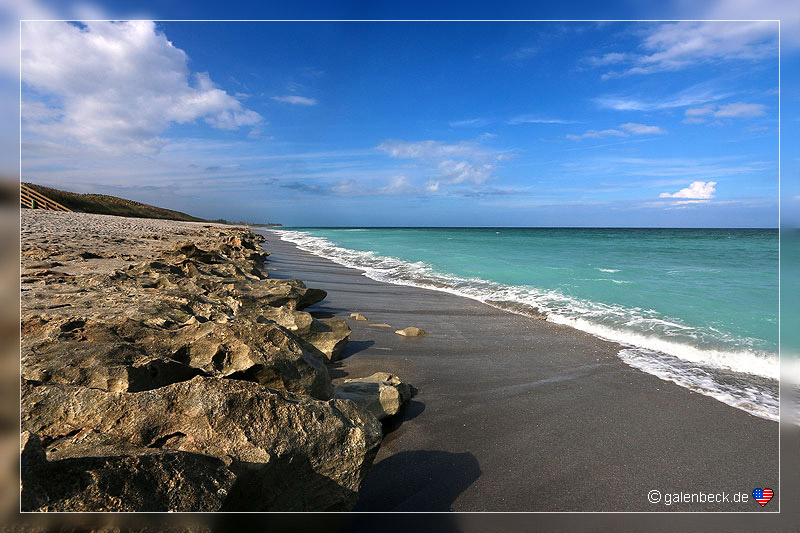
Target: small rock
{"x":358,"y":316}
{"x":382,"y":394}
{"x":380,"y":325}
{"x":411,"y":331}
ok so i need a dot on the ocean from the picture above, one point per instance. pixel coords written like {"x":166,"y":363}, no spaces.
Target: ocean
{"x":698,"y":307}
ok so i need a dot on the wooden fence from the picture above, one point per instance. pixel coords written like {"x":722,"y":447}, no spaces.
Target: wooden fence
{"x":34,"y":200}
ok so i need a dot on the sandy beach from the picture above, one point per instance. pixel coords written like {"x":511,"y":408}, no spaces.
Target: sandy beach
{"x":512,"y":413}
{"x":176,"y":366}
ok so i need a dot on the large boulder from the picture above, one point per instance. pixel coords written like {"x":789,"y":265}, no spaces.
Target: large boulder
{"x":125,"y":355}
{"x":284,"y":292}
{"x":325,"y":337}
{"x":328,"y":336}
{"x":141,"y":480}
{"x":382,"y":394}
{"x":288,"y":453}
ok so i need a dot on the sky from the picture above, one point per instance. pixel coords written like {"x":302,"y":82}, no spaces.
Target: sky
{"x":412,"y":124}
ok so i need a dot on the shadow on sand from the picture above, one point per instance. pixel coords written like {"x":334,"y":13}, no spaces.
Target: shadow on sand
{"x":353,"y":347}
{"x":422,"y":480}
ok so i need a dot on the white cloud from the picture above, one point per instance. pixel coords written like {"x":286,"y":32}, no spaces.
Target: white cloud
{"x":675,"y":45}
{"x":740,"y":110}
{"x":700,"y":111}
{"x":398,"y":185}
{"x":691,"y":96}
{"x":696,"y":192}
{"x":609,"y":59}
{"x":784,"y":10}
{"x":699,"y":115}
{"x":533,"y":119}
{"x":477,"y":122}
{"x":642,"y":129}
{"x":595,"y":134}
{"x":296,"y":100}
{"x":117,"y":86}
{"x":464,"y":162}
{"x":625,"y":130}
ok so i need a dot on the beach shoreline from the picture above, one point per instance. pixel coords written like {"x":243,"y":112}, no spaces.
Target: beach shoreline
{"x":179,"y":366}
{"x":497,"y":418}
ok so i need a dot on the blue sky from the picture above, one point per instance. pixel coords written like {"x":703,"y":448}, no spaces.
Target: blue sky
{"x":522,"y":124}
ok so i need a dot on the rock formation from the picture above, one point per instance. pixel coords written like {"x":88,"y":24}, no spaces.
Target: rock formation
{"x":382,"y":394}
{"x":162,"y":370}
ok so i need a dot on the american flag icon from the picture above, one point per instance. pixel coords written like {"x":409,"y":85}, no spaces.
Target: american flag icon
{"x":762,"y":496}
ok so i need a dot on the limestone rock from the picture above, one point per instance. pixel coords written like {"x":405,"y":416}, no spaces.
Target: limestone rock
{"x":297,"y":322}
{"x":289,"y":453}
{"x":133,"y":480}
{"x":126,"y":355}
{"x":411,"y":331}
{"x":382,"y":394}
{"x":358,"y":316}
{"x":329,"y":336}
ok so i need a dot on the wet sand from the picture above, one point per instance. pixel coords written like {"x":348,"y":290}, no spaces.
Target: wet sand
{"x":513,"y":413}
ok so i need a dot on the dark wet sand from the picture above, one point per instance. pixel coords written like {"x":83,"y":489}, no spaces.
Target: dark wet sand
{"x":512,"y":413}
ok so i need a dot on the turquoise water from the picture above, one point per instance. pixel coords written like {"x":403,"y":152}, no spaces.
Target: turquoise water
{"x":694,"y":306}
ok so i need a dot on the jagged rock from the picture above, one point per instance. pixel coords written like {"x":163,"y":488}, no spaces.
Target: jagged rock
{"x":149,"y":480}
{"x":127,"y":356}
{"x":382,"y":394}
{"x":358,"y":316}
{"x":159,"y":374}
{"x":411,"y":331}
{"x":329,"y":336}
{"x":325,"y":337}
{"x":260,"y":352}
{"x":297,"y":322}
{"x":289,"y":453}
{"x":291,"y":293}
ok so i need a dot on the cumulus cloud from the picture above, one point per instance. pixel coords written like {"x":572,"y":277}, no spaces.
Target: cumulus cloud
{"x":464,"y":162}
{"x":115,"y":86}
{"x":624,"y":130}
{"x":675,"y":45}
{"x":296,"y":100}
{"x":699,"y":115}
{"x":696,"y":192}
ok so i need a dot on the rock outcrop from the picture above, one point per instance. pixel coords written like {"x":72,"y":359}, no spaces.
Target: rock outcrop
{"x":329,"y":336}
{"x":293,"y":452}
{"x":162,"y":370}
{"x":137,"y":480}
{"x":382,"y":394}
